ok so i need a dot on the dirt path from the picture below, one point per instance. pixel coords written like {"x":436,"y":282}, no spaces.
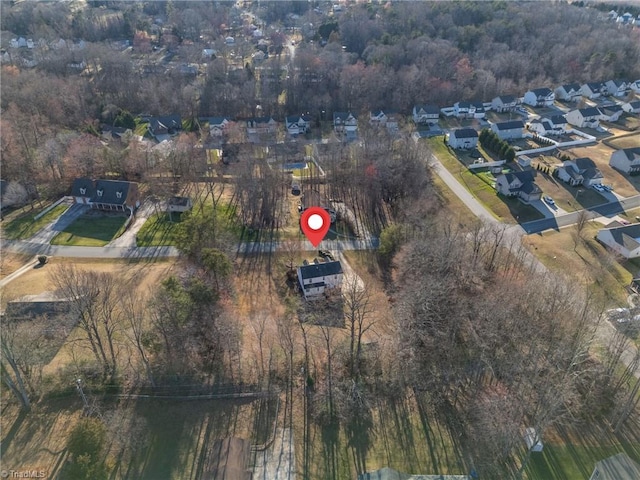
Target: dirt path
{"x":22,"y":270}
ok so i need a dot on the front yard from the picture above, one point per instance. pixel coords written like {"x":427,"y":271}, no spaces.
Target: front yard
{"x":95,"y":230}
{"x":159,"y":229}
{"x":21,"y":226}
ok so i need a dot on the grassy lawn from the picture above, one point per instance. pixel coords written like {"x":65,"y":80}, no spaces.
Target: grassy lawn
{"x":626,"y":141}
{"x":91,"y":231}
{"x":159,"y":229}
{"x":505,"y":209}
{"x":590,"y":263}
{"x":24,"y":226}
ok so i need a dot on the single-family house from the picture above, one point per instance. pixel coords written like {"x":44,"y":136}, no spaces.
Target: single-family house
{"x":218,"y":125}
{"x":463,"y":138}
{"x":610,"y":113}
{"x":345,"y":122}
{"x":631,"y":107}
{"x":318,"y":277}
{"x":539,"y":97}
{"x":612,"y":15}
{"x":617,"y":467}
{"x":581,"y":171}
{"x":584,"y":117}
{"x":469,"y":109}
{"x":635,"y":86}
{"x":260,"y":125}
{"x":179,"y":204}
{"x":617,"y":88}
{"x":532,"y":440}
{"x":106,"y":194}
{"x":519,"y":184}
{"x":298,"y":124}
{"x":593,"y":90}
{"x":509,"y":130}
{"x":380,"y":118}
{"x":626,"y":19}
{"x":542,"y":126}
{"x":569,"y":92}
{"x":162,"y":128}
{"x":624,"y":240}
{"x":426,"y":114}
{"x":626,"y":160}
{"x":504,"y":103}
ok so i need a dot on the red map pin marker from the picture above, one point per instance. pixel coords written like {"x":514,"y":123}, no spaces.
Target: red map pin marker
{"x":315,"y":223}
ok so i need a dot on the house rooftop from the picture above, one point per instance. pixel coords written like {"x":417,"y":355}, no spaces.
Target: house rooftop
{"x":628,"y":235}
{"x":510,"y":125}
{"x":507,"y":98}
{"x":541,"y":92}
{"x":571,"y":86}
{"x":589,"y":112}
{"x":632,"y":153}
{"x":558,"y":119}
{"x":465,"y":133}
{"x":428,"y":109}
{"x":319,"y":270}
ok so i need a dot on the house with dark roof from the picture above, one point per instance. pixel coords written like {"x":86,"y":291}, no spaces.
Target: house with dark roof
{"x":261,"y":125}
{"x":318,"y":278}
{"x":617,"y":88}
{"x":463,"y":138}
{"x":387,"y":119}
{"x":217,"y":125}
{"x":504,"y":103}
{"x":509,"y":130}
{"x":162,"y":128}
{"x":345,"y":122}
{"x":425,"y":114}
{"x":584,"y":117}
{"x":635,"y":86}
{"x":519,"y":184}
{"x":624,"y":240}
{"x":179,"y":204}
{"x":469,"y":110}
{"x":298,"y":124}
{"x":581,"y":171}
{"x":539,"y":97}
{"x":631,"y":107}
{"x":626,"y":160}
{"x":617,"y":467}
{"x":569,"y":92}
{"x":110,"y":195}
{"x":610,"y":113}
{"x":593,"y":90}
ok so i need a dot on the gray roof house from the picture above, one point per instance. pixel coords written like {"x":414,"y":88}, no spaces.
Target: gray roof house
{"x":569,"y":92}
{"x":584,"y":117}
{"x":581,"y":171}
{"x":318,"y":277}
{"x":161,"y":128}
{"x":463,"y":138}
{"x":519,"y":184}
{"x":504,"y":103}
{"x":539,"y":97}
{"x":425,"y":114}
{"x":592,"y":89}
{"x":626,"y":160}
{"x":624,"y":240}
{"x":116,"y":195}
{"x":631,"y":107}
{"x":610,"y":113}
{"x":508,"y":130}
{"x":617,"y":467}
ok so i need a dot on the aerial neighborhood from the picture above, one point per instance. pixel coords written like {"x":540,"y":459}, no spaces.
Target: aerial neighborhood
{"x":320,"y":240}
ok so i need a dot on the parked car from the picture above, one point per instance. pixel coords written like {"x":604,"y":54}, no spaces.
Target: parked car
{"x":607,"y":188}
{"x":598,"y":187}
{"x":548,"y":200}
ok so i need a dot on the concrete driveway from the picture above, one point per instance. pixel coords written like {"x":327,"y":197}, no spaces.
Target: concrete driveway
{"x":45,"y":235}
{"x":128,"y":238}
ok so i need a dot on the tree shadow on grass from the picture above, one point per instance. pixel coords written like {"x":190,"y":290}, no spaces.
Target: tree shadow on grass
{"x":359,"y":435}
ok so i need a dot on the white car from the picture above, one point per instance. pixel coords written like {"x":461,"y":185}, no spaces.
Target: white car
{"x":598,"y":187}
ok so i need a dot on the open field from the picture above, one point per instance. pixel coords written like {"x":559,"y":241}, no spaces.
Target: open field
{"x":505,"y":209}
{"x":590,"y":264}
{"x":22,"y":225}
{"x":91,"y":231}
{"x":10,"y":262}
{"x":627,"y":141}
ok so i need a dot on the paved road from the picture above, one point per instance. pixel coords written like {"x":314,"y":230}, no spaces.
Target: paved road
{"x":31,"y":248}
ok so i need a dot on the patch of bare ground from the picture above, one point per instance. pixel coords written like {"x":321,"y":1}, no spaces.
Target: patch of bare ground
{"x":10,"y":262}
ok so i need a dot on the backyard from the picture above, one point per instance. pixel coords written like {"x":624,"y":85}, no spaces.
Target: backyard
{"x":92,"y":230}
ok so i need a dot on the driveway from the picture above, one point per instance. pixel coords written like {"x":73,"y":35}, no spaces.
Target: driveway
{"x":45,"y":235}
{"x":128,"y":238}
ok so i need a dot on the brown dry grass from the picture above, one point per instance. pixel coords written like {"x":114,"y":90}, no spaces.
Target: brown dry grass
{"x":10,"y":262}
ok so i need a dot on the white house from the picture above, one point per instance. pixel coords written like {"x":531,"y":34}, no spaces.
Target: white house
{"x":635,"y":86}
{"x":217,"y":126}
{"x":617,"y":88}
{"x":469,"y":109}
{"x":519,"y":184}
{"x":426,"y":114}
{"x":318,"y":277}
{"x":624,"y":240}
{"x":345,"y":122}
{"x":379,"y":118}
{"x":626,"y":160}
{"x":569,"y":92}
{"x":610,"y":113}
{"x":509,"y":130}
{"x":581,"y":171}
{"x":504,"y":103}
{"x":532,"y":439}
{"x":584,"y":117}
{"x":631,"y":107}
{"x":592,"y":90}
{"x":617,"y":467}
{"x":463,"y":138}
{"x":298,"y":124}
{"x":539,"y":97}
